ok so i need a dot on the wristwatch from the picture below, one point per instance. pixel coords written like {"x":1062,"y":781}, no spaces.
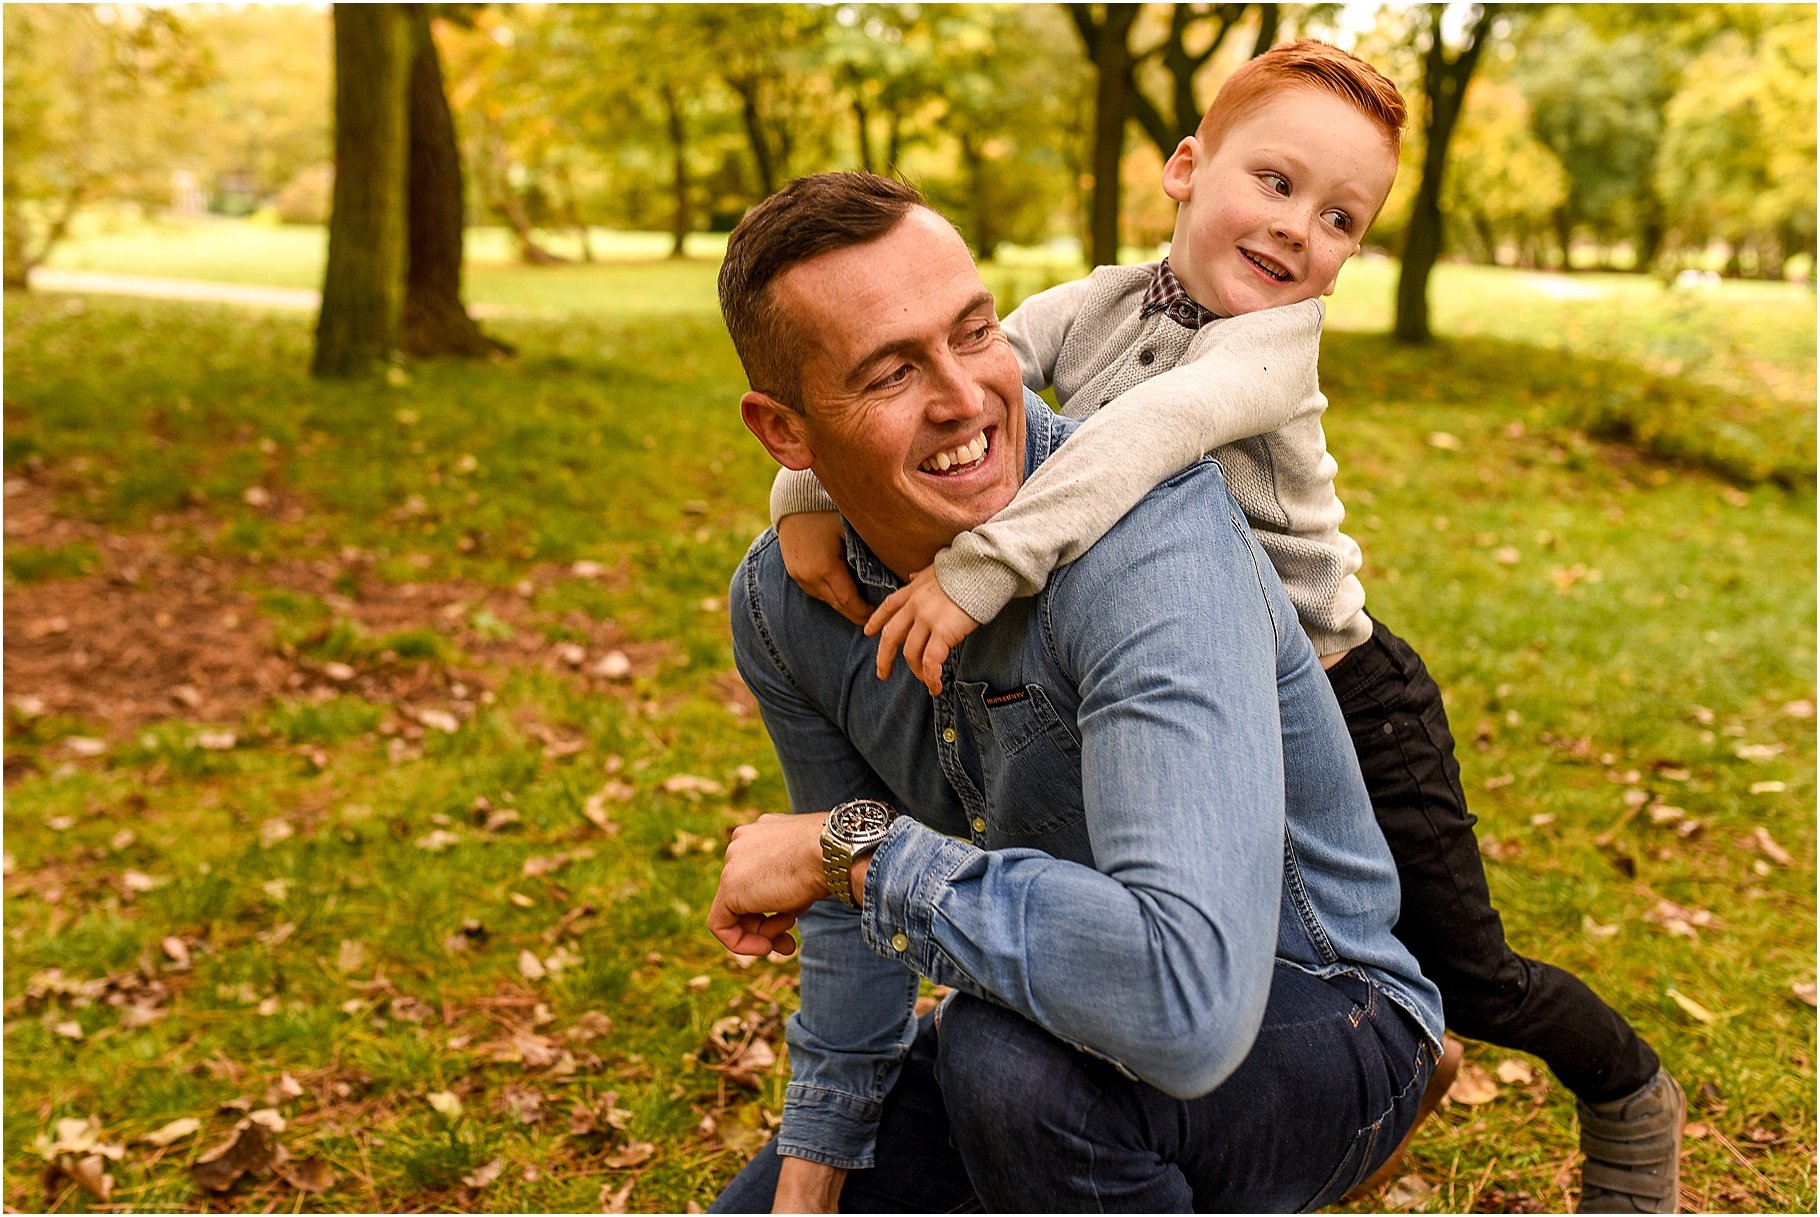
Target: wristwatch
{"x":853,"y":830}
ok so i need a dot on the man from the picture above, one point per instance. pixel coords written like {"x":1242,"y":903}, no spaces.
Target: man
{"x":1130,"y":832}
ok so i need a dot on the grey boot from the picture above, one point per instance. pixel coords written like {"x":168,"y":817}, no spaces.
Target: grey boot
{"x":1633,"y":1150}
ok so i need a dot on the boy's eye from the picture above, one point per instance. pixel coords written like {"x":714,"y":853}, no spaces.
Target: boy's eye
{"x":1340,"y":220}
{"x":1277,"y":182}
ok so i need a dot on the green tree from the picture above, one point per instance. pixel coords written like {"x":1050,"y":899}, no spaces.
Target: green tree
{"x":1445,"y":75}
{"x":1502,"y":185}
{"x":90,"y":92}
{"x":1738,"y":150}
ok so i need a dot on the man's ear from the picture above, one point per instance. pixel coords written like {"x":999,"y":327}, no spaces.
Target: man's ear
{"x":1178,"y":170}
{"x":782,"y":430}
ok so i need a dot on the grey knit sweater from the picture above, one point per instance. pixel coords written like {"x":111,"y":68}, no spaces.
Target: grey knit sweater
{"x":1161,"y":396}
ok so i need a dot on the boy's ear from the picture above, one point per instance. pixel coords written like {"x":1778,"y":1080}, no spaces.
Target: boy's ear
{"x":782,"y":430}
{"x":1178,"y":170}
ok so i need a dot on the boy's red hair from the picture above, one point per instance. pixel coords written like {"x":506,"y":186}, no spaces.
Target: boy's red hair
{"x":1306,"y":65}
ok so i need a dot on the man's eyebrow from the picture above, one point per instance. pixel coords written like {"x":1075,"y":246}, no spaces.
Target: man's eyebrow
{"x":862,"y":365}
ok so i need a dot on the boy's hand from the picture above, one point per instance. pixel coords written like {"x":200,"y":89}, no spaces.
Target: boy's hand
{"x":919,"y":618}
{"x":815,"y":555}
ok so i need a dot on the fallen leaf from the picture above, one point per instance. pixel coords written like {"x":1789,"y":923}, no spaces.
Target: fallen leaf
{"x":1473,"y":1087}
{"x":690,"y":784}
{"x":1798,"y":709}
{"x":173,"y":1132}
{"x":594,"y":810}
{"x":1697,"y":1131}
{"x":1803,"y":989}
{"x":585,"y":569}
{"x":1515,"y":1073}
{"x":1775,"y":853}
{"x":311,"y":1175}
{"x":697,"y":983}
{"x":1595,"y":929}
{"x":246,"y":1149}
{"x":1694,"y":1009}
{"x":216,"y":741}
{"x":530,"y":967}
{"x":616,"y":1201}
{"x":446,"y":1104}
{"x":82,"y":745}
{"x":612,"y":666}
{"x":1407,"y":1192}
{"x":1444,"y":441}
{"x":635,"y":1154}
{"x":268,"y":1118}
{"x":1681,"y":920}
{"x":484,"y":1174}
{"x":440,"y":720}
{"x":1758,"y":752}
{"x":1768,"y":787}
{"x":351,"y":957}
{"x":1508,"y":555}
{"x":68,"y":1029}
{"x":89,"y":1174}
{"x":522,"y":1102}
{"x":590,"y":1026}
{"x":571,"y":653}
{"x":437,"y":840}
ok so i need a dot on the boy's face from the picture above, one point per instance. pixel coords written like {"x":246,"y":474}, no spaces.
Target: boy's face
{"x":1269,"y":216}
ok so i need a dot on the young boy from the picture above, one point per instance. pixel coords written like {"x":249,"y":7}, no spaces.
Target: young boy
{"x":1214,"y":349}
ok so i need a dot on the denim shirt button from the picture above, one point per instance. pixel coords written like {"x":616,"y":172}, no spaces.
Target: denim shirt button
{"x":899,"y":943}
{"x":948,"y":735}
{"x":979,"y":823}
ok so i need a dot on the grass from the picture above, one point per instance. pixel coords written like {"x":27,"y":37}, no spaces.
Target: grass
{"x":1621,"y":619}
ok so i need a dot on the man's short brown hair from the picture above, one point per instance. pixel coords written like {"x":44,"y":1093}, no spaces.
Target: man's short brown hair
{"x":1306,"y":65}
{"x":813,"y":215}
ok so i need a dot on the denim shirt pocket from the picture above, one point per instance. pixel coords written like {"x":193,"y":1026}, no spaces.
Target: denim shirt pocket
{"x":1031,"y":761}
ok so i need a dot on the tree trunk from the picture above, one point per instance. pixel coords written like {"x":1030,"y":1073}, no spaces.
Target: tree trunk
{"x":1108,"y":46}
{"x":985,"y":239}
{"x":506,"y":200}
{"x":1444,"y":84}
{"x":679,"y":169}
{"x":755,"y":135}
{"x":860,"y":135}
{"x":363,"y":286}
{"x":894,"y":141}
{"x":1564,"y":233}
{"x":435,"y":321}
{"x":1488,"y":235}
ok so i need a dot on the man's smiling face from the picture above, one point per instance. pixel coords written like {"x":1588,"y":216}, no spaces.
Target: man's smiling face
{"x":912,"y":406}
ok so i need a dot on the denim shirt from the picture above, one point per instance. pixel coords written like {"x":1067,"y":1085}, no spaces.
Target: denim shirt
{"x":1134,"y":798}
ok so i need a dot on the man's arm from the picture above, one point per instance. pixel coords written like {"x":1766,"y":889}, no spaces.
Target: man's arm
{"x":1258,"y":374}
{"x":1161,"y":958}
{"x":854,"y":1025}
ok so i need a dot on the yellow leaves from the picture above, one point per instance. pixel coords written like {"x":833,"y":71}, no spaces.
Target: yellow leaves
{"x":1692,"y":1008}
{"x":446,"y":1103}
{"x":1681,"y":920}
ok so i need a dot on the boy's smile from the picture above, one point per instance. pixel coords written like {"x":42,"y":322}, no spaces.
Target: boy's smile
{"x":1270,"y":215}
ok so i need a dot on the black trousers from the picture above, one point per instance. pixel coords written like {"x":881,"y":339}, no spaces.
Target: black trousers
{"x":1399,"y":729}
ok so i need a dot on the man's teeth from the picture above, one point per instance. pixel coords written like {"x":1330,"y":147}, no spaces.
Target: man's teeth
{"x":1270,"y":268}
{"x":966,"y":454}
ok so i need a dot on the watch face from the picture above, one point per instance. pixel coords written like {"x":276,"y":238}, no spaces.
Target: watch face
{"x":860,"y":820}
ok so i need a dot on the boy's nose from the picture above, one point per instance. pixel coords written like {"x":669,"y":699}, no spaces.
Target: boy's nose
{"x":1290,"y":232}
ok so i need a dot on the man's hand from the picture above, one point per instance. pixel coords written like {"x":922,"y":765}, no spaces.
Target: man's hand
{"x":772,"y":874}
{"x":919,"y":618}
{"x":815,"y":555}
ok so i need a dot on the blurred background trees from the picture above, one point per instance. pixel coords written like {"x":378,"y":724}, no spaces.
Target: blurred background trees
{"x":1633,"y":137}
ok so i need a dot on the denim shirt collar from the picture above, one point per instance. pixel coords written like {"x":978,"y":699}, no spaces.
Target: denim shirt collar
{"x":1043,"y":431}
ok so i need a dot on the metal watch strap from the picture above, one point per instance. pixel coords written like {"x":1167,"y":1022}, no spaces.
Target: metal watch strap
{"x":839,"y":850}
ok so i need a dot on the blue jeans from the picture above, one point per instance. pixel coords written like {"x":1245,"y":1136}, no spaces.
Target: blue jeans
{"x":993,"y":1113}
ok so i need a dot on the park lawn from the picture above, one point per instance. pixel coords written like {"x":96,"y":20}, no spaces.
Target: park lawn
{"x":432,"y":887}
